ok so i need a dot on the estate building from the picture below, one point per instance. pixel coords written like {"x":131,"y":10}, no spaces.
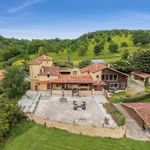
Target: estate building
{"x":99,"y":77}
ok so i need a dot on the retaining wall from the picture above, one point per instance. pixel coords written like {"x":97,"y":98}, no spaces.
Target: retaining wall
{"x":80,"y":129}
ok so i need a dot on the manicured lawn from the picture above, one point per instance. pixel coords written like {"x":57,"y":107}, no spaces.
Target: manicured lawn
{"x":30,"y":136}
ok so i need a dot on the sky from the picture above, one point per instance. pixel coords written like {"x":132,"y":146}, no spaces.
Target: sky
{"x":46,"y":19}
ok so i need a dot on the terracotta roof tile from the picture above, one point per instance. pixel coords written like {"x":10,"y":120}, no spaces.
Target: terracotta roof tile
{"x":141,"y":74}
{"x":51,"y":70}
{"x":142,"y":109}
{"x":74,"y":79}
{"x":77,"y":79}
{"x":97,"y":67}
{"x":39,"y":60}
{"x":93,"y":68}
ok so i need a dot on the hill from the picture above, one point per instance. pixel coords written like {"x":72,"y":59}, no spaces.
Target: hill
{"x":106,"y":45}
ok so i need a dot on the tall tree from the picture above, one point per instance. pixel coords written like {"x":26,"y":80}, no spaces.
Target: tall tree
{"x":98,"y":48}
{"x":113,"y":47}
{"x":141,"y":61}
{"x":14,"y":84}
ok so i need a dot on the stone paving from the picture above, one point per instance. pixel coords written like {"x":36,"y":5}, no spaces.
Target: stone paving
{"x":51,"y":108}
{"x":27,"y":100}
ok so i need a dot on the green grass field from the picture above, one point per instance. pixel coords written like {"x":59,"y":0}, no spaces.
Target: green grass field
{"x":30,"y":136}
{"x":106,"y":55}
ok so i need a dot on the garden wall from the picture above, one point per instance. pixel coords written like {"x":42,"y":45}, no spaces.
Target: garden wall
{"x":80,"y":129}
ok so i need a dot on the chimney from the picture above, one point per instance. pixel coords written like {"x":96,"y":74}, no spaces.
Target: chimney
{"x":44,"y":56}
{"x":109,"y":65}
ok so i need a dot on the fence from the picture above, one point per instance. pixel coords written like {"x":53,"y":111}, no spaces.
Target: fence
{"x":81,"y":93}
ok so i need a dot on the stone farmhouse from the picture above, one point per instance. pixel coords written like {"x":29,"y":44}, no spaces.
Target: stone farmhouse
{"x":45,"y":76}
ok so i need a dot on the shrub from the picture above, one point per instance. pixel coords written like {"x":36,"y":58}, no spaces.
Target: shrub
{"x":113,"y":47}
{"x":84,"y":63}
{"x":98,"y":48}
{"x":124,"y":44}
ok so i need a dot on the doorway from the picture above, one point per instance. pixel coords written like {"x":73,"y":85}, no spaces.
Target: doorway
{"x":36,"y":88}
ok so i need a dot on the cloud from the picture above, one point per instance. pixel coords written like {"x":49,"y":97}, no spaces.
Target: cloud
{"x":37,"y":34}
{"x":25,"y":4}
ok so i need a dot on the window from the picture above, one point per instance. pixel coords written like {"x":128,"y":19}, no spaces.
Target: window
{"x":113,"y":85}
{"x":97,"y":76}
{"x":110,"y":77}
{"x":123,"y":85}
{"x":103,"y":77}
{"x":48,"y":74}
{"x":115,"y":77}
{"x":107,"y":77}
{"x":35,"y":77}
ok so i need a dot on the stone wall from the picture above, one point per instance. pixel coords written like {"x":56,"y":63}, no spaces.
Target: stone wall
{"x":80,"y":129}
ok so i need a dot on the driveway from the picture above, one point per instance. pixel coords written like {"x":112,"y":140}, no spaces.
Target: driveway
{"x":132,"y":128}
{"x":135,"y":86}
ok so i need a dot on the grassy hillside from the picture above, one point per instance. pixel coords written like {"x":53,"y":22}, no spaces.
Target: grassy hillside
{"x":76,"y":50}
{"x":106,"y":54}
{"x":36,"y":137}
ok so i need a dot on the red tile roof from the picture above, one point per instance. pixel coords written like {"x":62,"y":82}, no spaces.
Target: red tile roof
{"x":98,"y":67}
{"x":142,"y":109}
{"x":1,"y":74}
{"x":39,"y":60}
{"x":93,"y":68}
{"x":141,"y":74}
{"x":51,"y":70}
{"x":75,"y":79}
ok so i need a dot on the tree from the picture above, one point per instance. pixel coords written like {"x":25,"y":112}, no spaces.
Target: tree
{"x":98,"y":48}
{"x":113,"y":47}
{"x":64,"y":63}
{"x":41,"y":51}
{"x":9,"y":115}
{"x":140,"y":60}
{"x":14,"y":84}
{"x":90,"y":35}
{"x":109,"y":39}
{"x":84,"y":63}
{"x":83,"y":50}
{"x":124,"y":44}
{"x":122,"y":65}
{"x":141,"y":37}
{"x":34,"y":45}
{"x":125,"y":54}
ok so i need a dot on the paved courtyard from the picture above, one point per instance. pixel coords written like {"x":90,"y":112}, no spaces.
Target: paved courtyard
{"x":51,"y":108}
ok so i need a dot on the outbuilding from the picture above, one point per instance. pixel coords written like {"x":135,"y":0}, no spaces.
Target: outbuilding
{"x":141,"y":113}
{"x":141,"y":77}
